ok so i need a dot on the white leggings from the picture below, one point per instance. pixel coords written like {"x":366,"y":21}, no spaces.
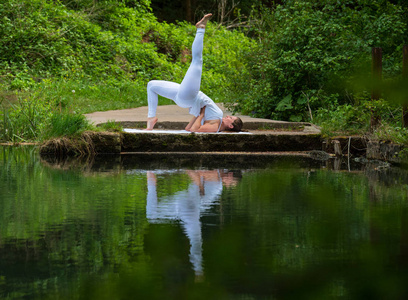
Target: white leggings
{"x":185,"y":93}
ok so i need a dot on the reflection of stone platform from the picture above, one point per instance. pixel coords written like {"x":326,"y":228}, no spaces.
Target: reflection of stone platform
{"x":189,"y":160}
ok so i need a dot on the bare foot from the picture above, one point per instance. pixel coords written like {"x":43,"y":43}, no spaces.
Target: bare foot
{"x":203,"y":22}
{"x":150,"y":123}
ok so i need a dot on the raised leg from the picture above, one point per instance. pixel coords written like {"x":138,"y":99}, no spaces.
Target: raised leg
{"x":190,"y":86}
{"x":203,"y":22}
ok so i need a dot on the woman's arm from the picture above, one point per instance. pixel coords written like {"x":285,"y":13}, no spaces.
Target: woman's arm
{"x":211,"y":126}
{"x":188,"y":127}
{"x":197,"y":123}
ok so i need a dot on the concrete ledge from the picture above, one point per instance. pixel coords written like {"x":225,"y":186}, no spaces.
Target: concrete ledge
{"x":133,"y":142}
{"x":115,"y":143}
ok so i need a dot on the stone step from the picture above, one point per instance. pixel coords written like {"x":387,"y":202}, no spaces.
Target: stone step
{"x":254,"y":142}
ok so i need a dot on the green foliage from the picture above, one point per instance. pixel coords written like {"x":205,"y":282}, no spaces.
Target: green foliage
{"x":84,"y":96}
{"x":355,"y":119}
{"x":226,"y":12}
{"x":93,"y":41}
{"x":44,"y":39}
{"x":395,"y":134}
{"x":36,"y":117}
{"x":299,"y":61}
{"x":308,"y":52}
{"x":225,"y":63}
{"x":83,"y":56}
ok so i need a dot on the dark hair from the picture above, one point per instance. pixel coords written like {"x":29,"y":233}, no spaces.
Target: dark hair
{"x":236,"y":125}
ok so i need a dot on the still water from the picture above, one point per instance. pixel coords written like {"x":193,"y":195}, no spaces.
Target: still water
{"x":145,"y":227}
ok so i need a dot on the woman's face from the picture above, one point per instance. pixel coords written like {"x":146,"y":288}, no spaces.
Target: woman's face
{"x":228,"y":120}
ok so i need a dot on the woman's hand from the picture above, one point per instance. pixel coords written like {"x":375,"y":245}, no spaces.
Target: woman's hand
{"x":197,"y":123}
{"x":188,"y":127}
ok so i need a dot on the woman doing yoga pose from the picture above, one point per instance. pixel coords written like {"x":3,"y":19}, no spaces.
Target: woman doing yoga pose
{"x":208,"y":117}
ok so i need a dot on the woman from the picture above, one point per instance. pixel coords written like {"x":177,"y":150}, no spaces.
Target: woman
{"x":208,"y":117}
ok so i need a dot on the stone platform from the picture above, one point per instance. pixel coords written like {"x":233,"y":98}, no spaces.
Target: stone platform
{"x":175,"y":117}
{"x":261,"y":137}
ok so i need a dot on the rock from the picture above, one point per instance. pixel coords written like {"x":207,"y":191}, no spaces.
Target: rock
{"x":384,"y":151}
{"x":319,"y":155}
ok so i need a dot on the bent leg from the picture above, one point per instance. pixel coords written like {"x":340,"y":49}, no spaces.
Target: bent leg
{"x":156,"y":88}
{"x":190,"y":86}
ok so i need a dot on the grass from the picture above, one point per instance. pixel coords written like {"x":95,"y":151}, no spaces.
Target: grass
{"x":39,"y":114}
{"x":55,"y":108}
{"x":85,"y":97}
{"x":66,"y":124}
{"x":111,"y":125}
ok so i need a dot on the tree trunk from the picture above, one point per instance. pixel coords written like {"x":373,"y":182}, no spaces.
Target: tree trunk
{"x":405,"y":80}
{"x":189,"y":16}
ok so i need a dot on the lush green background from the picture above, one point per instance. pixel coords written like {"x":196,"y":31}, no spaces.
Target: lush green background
{"x":289,"y":60}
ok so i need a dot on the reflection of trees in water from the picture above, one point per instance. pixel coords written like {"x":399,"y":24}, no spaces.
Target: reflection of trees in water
{"x":320,"y":225}
{"x":303,"y":223}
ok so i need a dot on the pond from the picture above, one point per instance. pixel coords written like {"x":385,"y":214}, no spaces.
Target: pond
{"x":201,"y":227}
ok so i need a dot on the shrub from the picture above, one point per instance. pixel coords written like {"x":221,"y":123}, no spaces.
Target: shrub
{"x":66,"y":124}
{"x":308,"y":50}
{"x":355,"y":119}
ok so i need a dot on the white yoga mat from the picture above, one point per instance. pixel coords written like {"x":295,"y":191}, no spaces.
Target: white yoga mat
{"x":131,"y":130}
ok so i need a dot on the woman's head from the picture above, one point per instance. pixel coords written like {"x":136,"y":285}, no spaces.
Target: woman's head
{"x":232,"y":123}
{"x":230,"y":178}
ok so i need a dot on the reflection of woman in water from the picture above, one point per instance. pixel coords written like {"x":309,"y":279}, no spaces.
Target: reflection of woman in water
{"x":187,"y":206}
